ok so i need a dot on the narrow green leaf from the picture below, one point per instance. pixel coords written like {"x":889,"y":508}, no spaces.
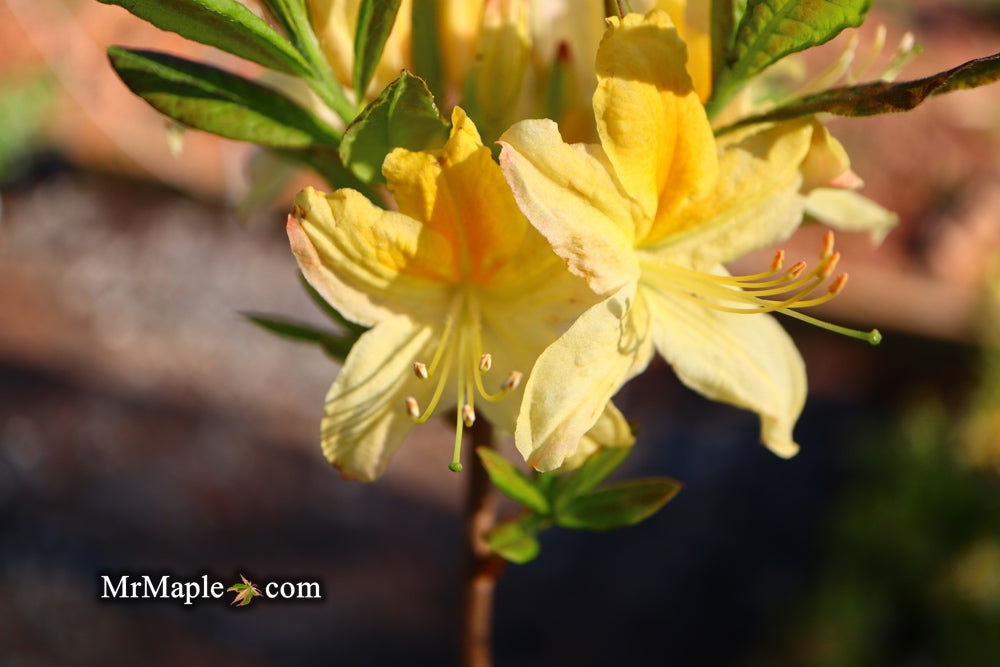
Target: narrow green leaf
{"x":425,"y":48}
{"x":293,"y":17}
{"x":216,"y":101}
{"x":512,"y":481}
{"x":594,"y":470}
{"x":403,"y":116}
{"x":375,"y":21}
{"x":515,"y":540}
{"x":773,"y":29}
{"x":882,"y":97}
{"x":617,"y":505}
{"x":723,"y":26}
{"x":224,"y":24}
{"x":334,"y":345}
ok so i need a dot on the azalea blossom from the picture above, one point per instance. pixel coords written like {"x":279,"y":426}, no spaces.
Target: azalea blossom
{"x":649,"y":217}
{"x":460,"y":292}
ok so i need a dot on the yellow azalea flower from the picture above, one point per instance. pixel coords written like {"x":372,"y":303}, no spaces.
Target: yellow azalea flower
{"x":648,"y":218}
{"x":462,"y":294}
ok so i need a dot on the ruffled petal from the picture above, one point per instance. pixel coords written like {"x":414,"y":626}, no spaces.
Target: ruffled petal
{"x":369,"y":263}
{"x":460,"y":193}
{"x":850,"y":211}
{"x":652,"y":125}
{"x":365,"y":419}
{"x":756,"y":201}
{"x":571,"y":197}
{"x":576,"y":376}
{"x":744,"y":360}
{"x":611,"y":430}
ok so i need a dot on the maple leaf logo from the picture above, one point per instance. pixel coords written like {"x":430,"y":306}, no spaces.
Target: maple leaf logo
{"x":245,"y":592}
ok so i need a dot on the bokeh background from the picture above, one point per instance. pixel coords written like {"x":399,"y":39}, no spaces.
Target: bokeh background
{"x":145,"y":425}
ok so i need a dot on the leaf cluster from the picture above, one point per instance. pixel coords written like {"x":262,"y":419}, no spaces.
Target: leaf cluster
{"x":572,"y":500}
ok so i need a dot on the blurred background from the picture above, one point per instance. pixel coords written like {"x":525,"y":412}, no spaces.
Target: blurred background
{"x":145,"y":425}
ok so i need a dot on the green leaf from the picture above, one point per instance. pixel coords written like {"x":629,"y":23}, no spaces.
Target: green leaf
{"x":773,"y":29}
{"x":293,"y":17}
{"x":224,"y":24}
{"x":512,"y":481}
{"x":216,"y":101}
{"x":426,"y":46}
{"x":594,"y":470}
{"x":882,"y":97}
{"x":375,"y":21}
{"x":403,"y":116}
{"x":334,"y":345}
{"x":515,"y":540}
{"x":617,"y":505}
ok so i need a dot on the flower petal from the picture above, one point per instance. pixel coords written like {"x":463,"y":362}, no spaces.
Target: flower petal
{"x":365,"y":419}
{"x":571,"y":197}
{"x":460,"y":193}
{"x":850,"y":211}
{"x":367,"y":262}
{"x":744,"y":360}
{"x":652,"y":125}
{"x":576,"y":376}
{"x":756,"y":200}
{"x":611,"y":430}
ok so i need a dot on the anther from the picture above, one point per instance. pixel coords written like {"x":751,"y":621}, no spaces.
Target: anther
{"x":830,"y":265}
{"x":468,"y":415}
{"x":779,"y":259}
{"x":827,"y":245}
{"x":837,"y":286}
{"x":512,"y":381}
{"x":485,"y":362}
{"x":795,"y":271}
{"x":412,"y":407}
{"x":420,"y":370}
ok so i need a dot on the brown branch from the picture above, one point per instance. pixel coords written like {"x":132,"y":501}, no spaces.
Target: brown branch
{"x":483,"y":566}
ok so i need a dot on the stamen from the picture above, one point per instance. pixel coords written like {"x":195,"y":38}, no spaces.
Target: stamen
{"x":485,"y":362}
{"x":779,"y":259}
{"x":420,"y":370}
{"x":837,"y":286}
{"x":468,"y":415}
{"x":795,"y":271}
{"x":743,"y":295}
{"x":512,"y":381}
{"x":412,"y":407}
{"x":827,"y":245}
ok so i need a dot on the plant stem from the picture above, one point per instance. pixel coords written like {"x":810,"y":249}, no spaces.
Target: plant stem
{"x":483,"y":567}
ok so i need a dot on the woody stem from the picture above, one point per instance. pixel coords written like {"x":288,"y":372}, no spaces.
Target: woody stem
{"x":483,"y":567}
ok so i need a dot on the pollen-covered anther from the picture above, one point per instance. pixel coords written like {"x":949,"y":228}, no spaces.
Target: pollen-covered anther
{"x":827,"y":249}
{"x":795,"y":271}
{"x":837,"y":286}
{"x":829,"y":266}
{"x":778,"y":261}
{"x":468,"y":415}
{"x":420,"y":370}
{"x":485,"y":362}
{"x":512,"y":381}
{"x":412,"y":407}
